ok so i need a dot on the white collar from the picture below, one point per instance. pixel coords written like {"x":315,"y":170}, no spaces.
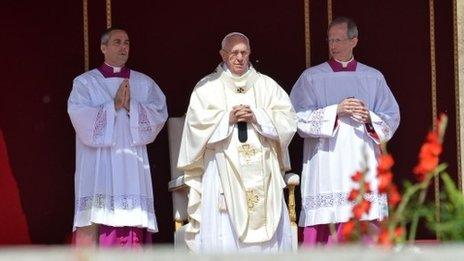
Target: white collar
{"x":345,"y":64}
{"x":235,"y":76}
{"x":115,"y":69}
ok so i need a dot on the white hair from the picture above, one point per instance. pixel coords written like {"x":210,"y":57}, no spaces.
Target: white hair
{"x":233,"y":34}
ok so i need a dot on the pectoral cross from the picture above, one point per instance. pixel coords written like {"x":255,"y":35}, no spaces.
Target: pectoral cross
{"x":240,"y":90}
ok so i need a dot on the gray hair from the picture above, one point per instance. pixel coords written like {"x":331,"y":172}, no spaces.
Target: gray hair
{"x":234,"y":34}
{"x":105,"y":36}
{"x":352,"y":29}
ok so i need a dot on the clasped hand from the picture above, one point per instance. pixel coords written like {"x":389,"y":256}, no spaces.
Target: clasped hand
{"x":241,"y":113}
{"x":354,"y":108}
{"x":122,"y":99}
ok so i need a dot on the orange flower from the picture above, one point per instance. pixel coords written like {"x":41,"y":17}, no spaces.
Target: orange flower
{"x":428,"y":156}
{"x":432,"y":137}
{"x":385,"y":163}
{"x":353,"y":194}
{"x":366,"y":205}
{"x":399,"y":231}
{"x":363,"y":207}
{"x":425,"y":166}
{"x":347,"y":229}
{"x":357,"y":176}
{"x":384,"y":174}
{"x":393,"y":196}
{"x":430,"y":149}
{"x":384,"y":237}
{"x":385,"y":180}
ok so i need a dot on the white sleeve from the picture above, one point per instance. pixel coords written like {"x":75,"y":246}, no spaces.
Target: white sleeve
{"x":222,"y":131}
{"x":147,"y":117}
{"x":94,"y":124}
{"x":382,"y":130}
{"x":264,"y":125}
{"x":320,"y":123}
{"x":312,"y":121}
{"x":385,"y":115}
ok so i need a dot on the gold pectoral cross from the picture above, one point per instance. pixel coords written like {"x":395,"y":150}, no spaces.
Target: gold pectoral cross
{"x":240,"y":90}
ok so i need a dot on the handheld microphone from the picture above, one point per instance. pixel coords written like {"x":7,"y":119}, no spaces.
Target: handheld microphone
{"x":242,"y":131}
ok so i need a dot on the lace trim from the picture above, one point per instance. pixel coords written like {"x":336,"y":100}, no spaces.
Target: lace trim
{"x":315,"y":121}
{"x":145,"y":129}
{"x":124,"y":202}
{"x":385,"y":129}
{"x":327,"y":200}
{"x":144,"y":123}
{"x":100,"y":124}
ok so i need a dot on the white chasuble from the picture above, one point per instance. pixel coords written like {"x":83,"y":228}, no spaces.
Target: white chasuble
{"x":250,"y":173}
{"x":247,"y":161}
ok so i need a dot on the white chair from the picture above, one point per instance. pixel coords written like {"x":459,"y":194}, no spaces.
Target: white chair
{"x":180,"y":190}
{"x":176,"y":185}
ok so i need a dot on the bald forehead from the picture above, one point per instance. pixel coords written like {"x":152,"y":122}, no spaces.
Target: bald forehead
{"x":234,"y":39}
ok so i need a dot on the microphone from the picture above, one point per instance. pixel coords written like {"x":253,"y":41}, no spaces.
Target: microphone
{"x":242,"y":131}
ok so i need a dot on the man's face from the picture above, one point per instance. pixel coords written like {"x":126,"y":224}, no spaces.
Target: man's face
{"x":340,"y":46}
{"x":116,"y":51}
{"x":236,"y":55}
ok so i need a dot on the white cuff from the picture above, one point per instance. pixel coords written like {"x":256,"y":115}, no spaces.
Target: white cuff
{"x":328,"y":128}
{"x":380,"y":127}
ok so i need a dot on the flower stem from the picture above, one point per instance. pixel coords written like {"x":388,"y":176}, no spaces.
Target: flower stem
{"x":415,"y":218}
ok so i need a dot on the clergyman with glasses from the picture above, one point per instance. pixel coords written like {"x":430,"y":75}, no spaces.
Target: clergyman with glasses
{"x":234,"y":151}
{"x":345,"y":109}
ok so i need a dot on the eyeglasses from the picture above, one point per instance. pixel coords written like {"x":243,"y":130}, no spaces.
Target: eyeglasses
{"x":337,"y":40}
{"x":237,"y":52}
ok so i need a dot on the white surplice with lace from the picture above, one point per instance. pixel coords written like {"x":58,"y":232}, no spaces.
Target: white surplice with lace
{"x":334,"y":147}
{"x":113,"y":181}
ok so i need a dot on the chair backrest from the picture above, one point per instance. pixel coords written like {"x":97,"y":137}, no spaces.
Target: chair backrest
{"x":179,"y":194}
{"x":175,"y":127}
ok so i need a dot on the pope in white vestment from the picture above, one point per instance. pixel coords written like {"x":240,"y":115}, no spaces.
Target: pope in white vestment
{"x":236,"y":200}
{"x":338,"y":142}
{"x":113,"y":184}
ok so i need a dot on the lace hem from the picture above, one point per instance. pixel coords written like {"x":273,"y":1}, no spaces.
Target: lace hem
{"x":124,"y":202}
{"x":327,"y":200}
{"x":100,"y":124}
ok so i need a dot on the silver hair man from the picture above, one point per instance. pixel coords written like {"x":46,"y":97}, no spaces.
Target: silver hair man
{"x":352,"y":31}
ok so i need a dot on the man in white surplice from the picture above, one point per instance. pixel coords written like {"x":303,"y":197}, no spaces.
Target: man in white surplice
{"x":236,"y":200}
{"x":344,"y":109}
{"x":115,"y":112}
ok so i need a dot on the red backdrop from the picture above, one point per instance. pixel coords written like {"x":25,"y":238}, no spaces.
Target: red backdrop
{"x":177,"y":43}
